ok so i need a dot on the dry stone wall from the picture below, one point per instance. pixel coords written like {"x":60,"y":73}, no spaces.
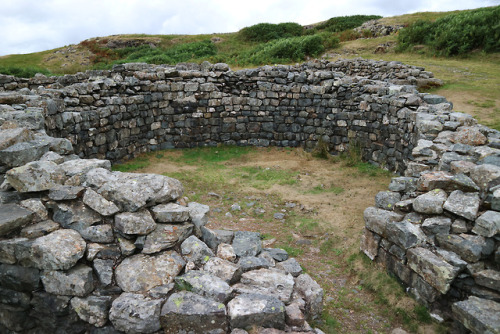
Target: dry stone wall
{"x":436,"y":228}
{"x":87,"y":250}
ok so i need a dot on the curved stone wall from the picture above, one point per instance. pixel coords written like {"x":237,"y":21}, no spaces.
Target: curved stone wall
{"x":436,"y":228}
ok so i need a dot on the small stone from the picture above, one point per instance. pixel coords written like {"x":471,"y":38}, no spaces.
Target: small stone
{"x":249,"y":310}
{"x":279,"y":216}
{"x":488,"y":224}
{"x":171,"y":213}
{"x":195,"y":250}
{"x":12,"y":217}
{"x":59,"y":250}
{"x":134,"y":313}
{"x":431,"y":202}
{"x":405,"y":234}
{"x":312,"y":293}
{"x":205,"y":284}
{"x":36,"y":206}
{"x":459,"y":226}
{"x":247,"y":243}
{"x":463,"y":204}
{"x":437,"y":272}
{"x":436,"y":225}
{"x":226,"y":252}
{"x":64,"y":193}
{"x":104,"y":270}
{"x":140,"y":273}
{"x":290,"y":266}
{"x":100,"y":204}
{"x":141,"y":222}
{"x":98,"y":233}
{"x":227,"y":271}
{"x":77,"y":281}
{"x":248,"y":263}
{"x":166,"y":236}
{"x":478,"y":315}
{"x":187,"y":312}
{"x":199,"y":214}
{"x":235,"y":207}
{"x":387,"y":199}
{"x":277,"y":254}
{"x":369,"y":244}
{"x":488,"y":278}
{"x":92,"y":309}
{"x":469,"y":136}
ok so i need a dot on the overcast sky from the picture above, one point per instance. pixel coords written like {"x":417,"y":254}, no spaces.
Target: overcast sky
{"x":36,"y":25}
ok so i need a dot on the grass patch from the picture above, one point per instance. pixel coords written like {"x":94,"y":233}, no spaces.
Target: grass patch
{"x":212,"y":154}
{"x":265,"y":178}
{"x":321,"y":189}
{"x":133,"y":165}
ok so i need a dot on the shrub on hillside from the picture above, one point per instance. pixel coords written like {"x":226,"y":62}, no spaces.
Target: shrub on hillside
{"x":176,"y":54}
{"x":284,"y":50}
{"x":23,"y":72}
{"x":264,"y":32}
{"x":456,"y":34}
{"x":341,"y":23}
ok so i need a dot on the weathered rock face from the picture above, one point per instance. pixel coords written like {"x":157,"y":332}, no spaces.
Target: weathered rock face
{"x":249,"y":310}
{"x":134,"y":313}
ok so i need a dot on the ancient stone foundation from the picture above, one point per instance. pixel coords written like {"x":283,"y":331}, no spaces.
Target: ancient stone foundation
{"x":87,"y":249}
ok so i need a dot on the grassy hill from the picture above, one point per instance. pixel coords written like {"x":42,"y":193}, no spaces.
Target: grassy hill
{"x":472,"y":78}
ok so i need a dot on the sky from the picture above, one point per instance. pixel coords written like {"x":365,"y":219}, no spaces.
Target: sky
{"x":36,"y":25}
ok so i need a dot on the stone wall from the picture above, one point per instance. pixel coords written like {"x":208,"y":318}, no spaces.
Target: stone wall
{"x":137,"y":108}
{"x":87,"y":250}
{"x":436,"y":228}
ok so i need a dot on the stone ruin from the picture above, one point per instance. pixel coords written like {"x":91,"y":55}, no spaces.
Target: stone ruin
{"x":87,"y":249}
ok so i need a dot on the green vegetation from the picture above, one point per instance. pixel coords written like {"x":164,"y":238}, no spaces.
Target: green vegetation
{"x":133,"y":165}
{"x":179,"y":53}
{"x":264,"y":32}
{"x":321,"y":189}
{"x":284,"y":50}
{"x":456,"y":34}
{"x":24,"y":72}
{"x":342,"y":23}
{"x":213,"y":154}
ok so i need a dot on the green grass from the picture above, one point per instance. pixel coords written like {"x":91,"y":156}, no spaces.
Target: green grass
{"x":133,"y":165}
{"x":292,"y":251}
{"x":212,"y":154}
{"x":321,"y":189}
{"x":265,"y":178}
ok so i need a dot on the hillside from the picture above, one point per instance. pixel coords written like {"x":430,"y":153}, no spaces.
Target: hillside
{"x":471,"y":80}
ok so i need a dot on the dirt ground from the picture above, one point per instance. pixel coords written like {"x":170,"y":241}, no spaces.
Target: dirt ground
{"x":323,"y":221}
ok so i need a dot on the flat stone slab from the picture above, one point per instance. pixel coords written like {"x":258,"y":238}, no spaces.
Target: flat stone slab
{"x":376,"y":219}
{"x":171,"y":213}
{"x":187,"y":312}
{"x":13,"y":216}
{"x":166,"y":236}
{"x":249,"y":310}
{"x":488,"y":224}
{"x":36,"y":176}
{"x":205,"y":284}
{"x":478,"y":315}
{"x":269,"y":282}
{"x":99,"y":203}
{"x":435,"y":271}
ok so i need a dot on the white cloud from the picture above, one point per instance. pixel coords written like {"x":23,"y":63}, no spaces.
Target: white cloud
{"x":33,"y":25}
